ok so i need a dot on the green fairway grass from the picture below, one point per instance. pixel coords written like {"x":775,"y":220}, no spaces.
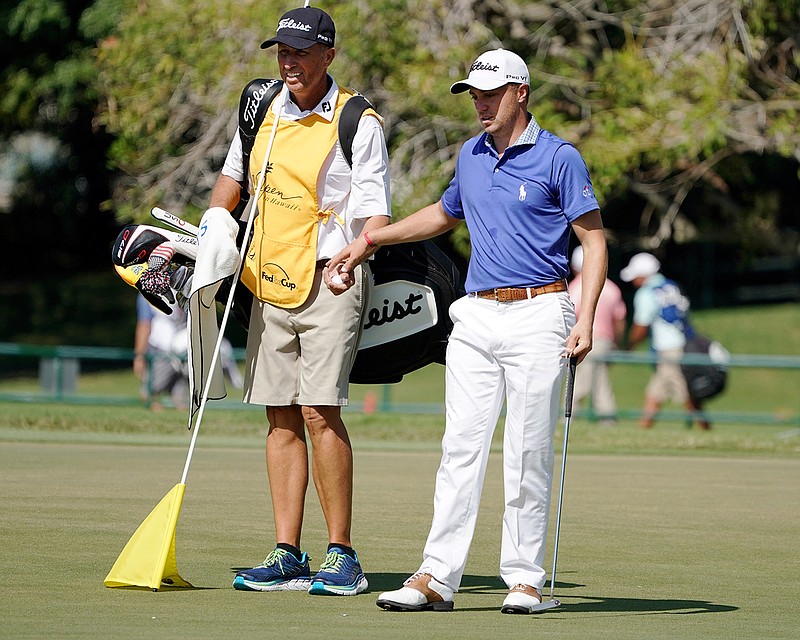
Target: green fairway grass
{"x":651,"y":547}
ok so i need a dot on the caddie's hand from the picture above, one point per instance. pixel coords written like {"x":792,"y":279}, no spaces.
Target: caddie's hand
{"x":579,"y":342}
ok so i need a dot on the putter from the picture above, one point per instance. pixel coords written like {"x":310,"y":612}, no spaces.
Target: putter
{"x":174,"y":221}
{"x":552,"y":603}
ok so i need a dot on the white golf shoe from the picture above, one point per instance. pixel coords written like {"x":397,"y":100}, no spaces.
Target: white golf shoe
{"x":522,"y":598}
{"x":421,"y":592}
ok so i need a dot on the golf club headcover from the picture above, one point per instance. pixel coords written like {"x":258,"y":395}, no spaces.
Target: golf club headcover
{"x":133,"y":276}
{"x":154,"y":252}
{"x":136,"y":242}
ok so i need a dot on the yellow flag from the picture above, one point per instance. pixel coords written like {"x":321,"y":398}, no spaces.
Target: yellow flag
{"x":148,"y":560}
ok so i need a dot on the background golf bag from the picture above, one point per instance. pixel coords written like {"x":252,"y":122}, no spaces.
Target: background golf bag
{"x":706,"y":380}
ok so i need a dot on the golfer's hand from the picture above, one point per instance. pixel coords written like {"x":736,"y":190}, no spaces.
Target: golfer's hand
{"x":335,"y":277}
{"x":579,"y":342}
{"x":338,"y":272}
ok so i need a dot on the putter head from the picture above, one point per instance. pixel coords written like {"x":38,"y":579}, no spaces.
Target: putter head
{"x":544,"y":606}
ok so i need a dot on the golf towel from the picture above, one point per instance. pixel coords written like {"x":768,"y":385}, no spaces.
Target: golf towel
{"x":217,"y":257}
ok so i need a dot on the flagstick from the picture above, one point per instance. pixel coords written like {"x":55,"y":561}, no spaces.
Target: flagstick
{"x":217,"y":347}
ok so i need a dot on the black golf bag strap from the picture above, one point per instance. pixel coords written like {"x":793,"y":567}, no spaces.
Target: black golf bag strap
{"x":352,"y":111}
{"x":253,"y":104}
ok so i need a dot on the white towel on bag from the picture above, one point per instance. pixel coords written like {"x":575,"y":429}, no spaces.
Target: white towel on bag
{"x":217,"y":258}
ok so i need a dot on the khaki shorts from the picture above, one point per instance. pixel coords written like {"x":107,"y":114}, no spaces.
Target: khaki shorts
{"x":303,"y":356}
{"x":668,"y":382}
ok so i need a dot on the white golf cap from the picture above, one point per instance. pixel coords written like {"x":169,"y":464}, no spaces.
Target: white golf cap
{"x":642,"y":265}
{"x":494,"y":69}
{"x":577,"y":259}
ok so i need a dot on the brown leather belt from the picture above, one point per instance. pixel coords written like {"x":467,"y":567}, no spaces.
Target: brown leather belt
{"x":510,"y":294}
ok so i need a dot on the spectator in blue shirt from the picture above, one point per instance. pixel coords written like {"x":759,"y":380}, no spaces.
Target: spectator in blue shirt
{"x":661,"y":310}
{"x":521,"y":190}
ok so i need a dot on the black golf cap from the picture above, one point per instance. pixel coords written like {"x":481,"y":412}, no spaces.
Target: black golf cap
{"x":303,"y":28}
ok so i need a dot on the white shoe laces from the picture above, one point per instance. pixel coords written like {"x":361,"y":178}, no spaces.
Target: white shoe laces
{"x":417,"y":575}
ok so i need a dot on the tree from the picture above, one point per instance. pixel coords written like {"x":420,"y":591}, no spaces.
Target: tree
{"x":667,"y":101}
{"x":56,"y":175}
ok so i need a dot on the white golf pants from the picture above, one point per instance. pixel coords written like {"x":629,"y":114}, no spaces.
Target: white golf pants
{"x":499,"y":351}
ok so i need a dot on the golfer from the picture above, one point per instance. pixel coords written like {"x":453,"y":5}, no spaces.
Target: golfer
{"x":302,"y":340}
{"x":520,"y":189}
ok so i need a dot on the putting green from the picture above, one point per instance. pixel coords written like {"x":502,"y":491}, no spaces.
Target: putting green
{"x":651,"y":547}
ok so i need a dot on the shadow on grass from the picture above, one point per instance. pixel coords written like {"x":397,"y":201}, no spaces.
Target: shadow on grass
{"x":639,"y":606}
{"x":471,"y":584}
{"x":165,"y":588}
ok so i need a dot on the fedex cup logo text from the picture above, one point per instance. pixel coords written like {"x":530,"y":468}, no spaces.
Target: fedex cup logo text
{"x":276,"y":275}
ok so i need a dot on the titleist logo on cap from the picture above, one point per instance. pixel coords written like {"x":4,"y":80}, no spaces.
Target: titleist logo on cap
{"x":481,"y":66}
{"x":289,"y":23}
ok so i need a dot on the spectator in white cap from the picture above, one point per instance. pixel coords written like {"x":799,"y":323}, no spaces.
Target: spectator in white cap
{"x":592,"y":378}
{"x":661,"y":310}
{"x":522,"y":191}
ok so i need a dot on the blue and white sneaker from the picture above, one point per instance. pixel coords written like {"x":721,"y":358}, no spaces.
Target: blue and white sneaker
{"x":339,"y":575}
{"x":280,"y":571}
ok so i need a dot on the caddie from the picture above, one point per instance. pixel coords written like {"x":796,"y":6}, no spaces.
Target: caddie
{"x":302,"y":339}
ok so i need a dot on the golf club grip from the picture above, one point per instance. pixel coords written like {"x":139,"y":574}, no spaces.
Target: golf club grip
{"x":573,"y":361}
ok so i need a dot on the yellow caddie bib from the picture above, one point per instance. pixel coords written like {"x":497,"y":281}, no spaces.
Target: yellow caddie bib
{"x":281,"y":259}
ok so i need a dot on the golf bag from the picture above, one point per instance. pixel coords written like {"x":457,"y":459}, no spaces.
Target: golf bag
{"x":406,"y":325}
{"x":706,"y":380}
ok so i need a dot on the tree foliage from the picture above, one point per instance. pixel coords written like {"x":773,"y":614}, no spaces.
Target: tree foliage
{"x":53,"y":156}
{"x":674,"y":104}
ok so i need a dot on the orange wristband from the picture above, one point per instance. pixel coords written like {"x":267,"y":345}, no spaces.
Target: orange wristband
{"x":368,"y":240}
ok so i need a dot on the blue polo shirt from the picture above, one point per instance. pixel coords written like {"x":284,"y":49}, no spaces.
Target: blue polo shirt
{"x":518,"y":208}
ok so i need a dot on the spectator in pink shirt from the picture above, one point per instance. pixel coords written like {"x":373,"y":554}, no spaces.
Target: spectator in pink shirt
{"x":609,"y":328}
